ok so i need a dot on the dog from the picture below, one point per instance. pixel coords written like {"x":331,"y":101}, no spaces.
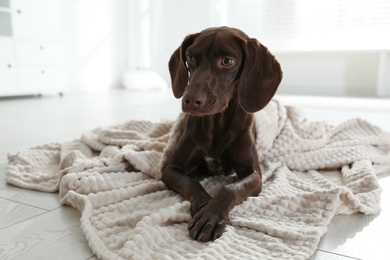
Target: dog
{"x":222,"y":76}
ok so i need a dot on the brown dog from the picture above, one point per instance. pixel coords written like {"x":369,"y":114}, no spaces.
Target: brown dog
{"x":223,"y":76}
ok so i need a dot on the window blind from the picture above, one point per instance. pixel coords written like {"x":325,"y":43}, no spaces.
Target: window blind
{"x":310,"y":24}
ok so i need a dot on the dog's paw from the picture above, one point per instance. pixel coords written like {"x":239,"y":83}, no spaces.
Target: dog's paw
{"x":208,"y":224}
{"x":199,"y":202}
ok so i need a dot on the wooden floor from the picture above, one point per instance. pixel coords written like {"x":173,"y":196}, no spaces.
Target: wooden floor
{"x":33,"y":225}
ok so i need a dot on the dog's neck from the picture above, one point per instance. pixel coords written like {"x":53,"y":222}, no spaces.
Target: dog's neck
{"x":233,"y":114}
{"x":218,"y":130}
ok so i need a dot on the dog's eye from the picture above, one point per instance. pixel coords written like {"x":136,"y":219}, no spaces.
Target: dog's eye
{"x":189,"y":58}
{"x":226,"y":62}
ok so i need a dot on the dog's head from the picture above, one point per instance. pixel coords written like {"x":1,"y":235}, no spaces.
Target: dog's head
{"x":212,"y":66}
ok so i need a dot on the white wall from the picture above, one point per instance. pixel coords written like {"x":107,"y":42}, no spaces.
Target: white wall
{"x":104,"y":38}
{"x":172,"y":20}
{"x":92,"y":45}
{"x":159,"y":27}
{"x":336,"y":73}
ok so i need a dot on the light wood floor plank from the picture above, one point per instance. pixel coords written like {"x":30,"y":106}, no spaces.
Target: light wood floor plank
{"x":54,"y":235}
{"x":321,"y":255}
{"x":13,"y":212}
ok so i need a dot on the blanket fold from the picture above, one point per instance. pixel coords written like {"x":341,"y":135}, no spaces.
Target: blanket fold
{"x":312,"y":171}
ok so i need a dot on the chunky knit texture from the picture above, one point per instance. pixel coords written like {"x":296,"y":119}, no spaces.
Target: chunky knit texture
{"x":311,"y":172}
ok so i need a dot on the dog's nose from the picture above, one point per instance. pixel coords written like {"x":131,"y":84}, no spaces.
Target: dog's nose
{"x":194,"y":101}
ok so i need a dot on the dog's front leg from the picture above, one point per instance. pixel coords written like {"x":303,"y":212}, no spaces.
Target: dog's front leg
{"x":210,"y":222}
{"x":189,"y":188}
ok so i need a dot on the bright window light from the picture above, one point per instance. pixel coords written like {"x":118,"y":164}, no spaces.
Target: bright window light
{"x":299,"y":25}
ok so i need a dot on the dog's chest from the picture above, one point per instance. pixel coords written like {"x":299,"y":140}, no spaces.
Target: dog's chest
{"x":213,"y":150}
{"x":214,"y":165}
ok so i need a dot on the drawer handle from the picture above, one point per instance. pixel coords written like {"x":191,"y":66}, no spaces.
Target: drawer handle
{"x":9,"y":66}
{"x":43,"y":72}
{"x":41,"y":48}
{"x":19,"y":11}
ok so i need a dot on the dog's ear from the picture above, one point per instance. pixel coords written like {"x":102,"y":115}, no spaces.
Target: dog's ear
{"x":260,"y":76}
{"x":177,"y":67}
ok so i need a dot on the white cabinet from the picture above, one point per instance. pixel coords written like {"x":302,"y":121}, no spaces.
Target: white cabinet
{"x":37,"y":19}
{"x":7,"y":66}
{"x":44,"y":79}
{"x":31,"y":51}
{"x":39,"y":66}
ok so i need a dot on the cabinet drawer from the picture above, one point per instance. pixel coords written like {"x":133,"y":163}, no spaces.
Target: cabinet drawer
{"x":7,"y":77}
{"x":38,"y":19}
{"x":28,"y":53}
{"x":37,"y":79}
{"x":6,"y":50}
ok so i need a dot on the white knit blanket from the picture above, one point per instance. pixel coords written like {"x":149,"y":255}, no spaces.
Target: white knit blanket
{"x":311,"y":172}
